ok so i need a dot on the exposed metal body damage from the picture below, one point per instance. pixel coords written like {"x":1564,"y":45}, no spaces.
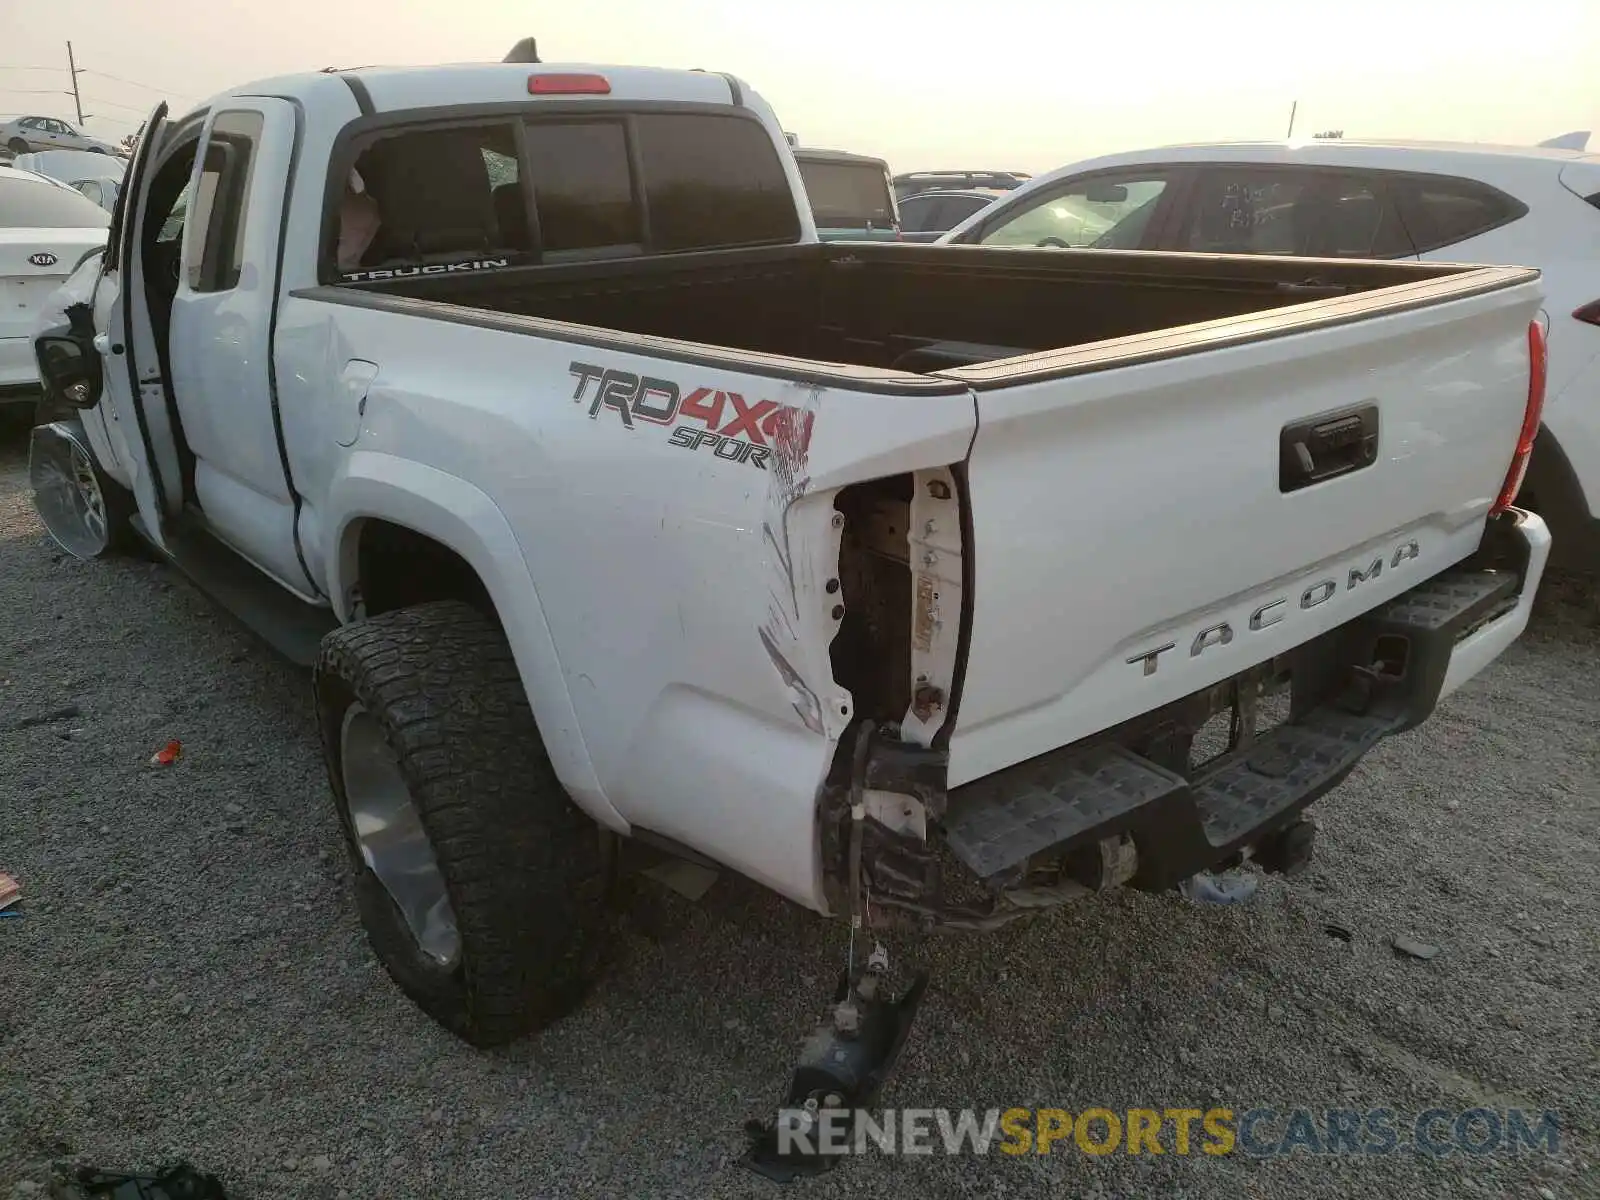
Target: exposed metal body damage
{"x":796,"y":535}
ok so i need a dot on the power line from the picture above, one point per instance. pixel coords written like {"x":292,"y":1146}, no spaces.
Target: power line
{"x":135,"y":83}
{"x":17,"y":67}
{"x":34,"y":92}
{"x":114,"y":104}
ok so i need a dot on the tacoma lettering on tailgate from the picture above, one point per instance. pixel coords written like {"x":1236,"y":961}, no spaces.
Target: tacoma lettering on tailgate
{"x":725,"y":423}
{"x":1275,"y":611}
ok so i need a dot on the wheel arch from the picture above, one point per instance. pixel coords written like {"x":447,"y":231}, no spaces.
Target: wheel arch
{"x":421,"y":507}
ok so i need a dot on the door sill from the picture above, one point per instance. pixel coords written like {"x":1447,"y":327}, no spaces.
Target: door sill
{"x":287,"y":623}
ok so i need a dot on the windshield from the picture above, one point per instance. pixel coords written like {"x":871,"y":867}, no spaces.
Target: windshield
{"x":848,"y":195}
{"x":30,"y":204}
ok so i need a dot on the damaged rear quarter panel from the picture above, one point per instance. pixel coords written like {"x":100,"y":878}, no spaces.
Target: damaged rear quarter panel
{"x":685,"y":585}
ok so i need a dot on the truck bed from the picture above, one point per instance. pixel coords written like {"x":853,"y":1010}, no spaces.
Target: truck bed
{"x":1000,"y":501}
{"x":905,"y":307}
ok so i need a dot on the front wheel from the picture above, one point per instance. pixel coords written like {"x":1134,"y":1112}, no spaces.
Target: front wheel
{"x":85,"y":511}
{"x":480,"y":884}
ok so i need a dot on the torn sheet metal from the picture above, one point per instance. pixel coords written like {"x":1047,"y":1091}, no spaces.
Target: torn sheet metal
{"x":802,"y":535}
{"x":935,"y":545}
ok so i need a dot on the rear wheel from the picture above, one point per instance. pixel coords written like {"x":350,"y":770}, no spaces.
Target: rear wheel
{"x":481,"y":886}
{"x":17,"y":146}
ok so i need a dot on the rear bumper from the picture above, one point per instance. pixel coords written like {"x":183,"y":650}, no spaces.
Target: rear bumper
{"x":1472,"y":653}
{"x":1126,"y":807}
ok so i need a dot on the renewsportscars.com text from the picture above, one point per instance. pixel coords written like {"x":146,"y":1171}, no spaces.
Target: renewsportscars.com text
{"x":1258,"y":1132}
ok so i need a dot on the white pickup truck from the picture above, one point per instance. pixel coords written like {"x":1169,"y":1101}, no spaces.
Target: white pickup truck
{"x":909,"y":581}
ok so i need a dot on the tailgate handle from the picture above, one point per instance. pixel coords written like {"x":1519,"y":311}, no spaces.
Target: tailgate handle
{"x":1326,"y":446}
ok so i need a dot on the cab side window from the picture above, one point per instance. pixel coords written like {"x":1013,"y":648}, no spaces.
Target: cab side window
{"x":214,"y":225}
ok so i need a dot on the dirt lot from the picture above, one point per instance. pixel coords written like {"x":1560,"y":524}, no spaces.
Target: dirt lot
{"x":190,"y":978}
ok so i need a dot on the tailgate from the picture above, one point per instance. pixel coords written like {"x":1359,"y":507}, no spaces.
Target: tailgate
{"x":1143,"y":528}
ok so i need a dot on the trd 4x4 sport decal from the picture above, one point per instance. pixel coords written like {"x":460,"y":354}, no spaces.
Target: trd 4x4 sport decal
{"x":731,"y":427}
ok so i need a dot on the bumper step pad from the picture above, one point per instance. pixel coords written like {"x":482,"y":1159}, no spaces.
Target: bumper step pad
{"x":1072,"y":795}
{"x":1006,"y":818}
{"x":1290,"y":762}
{"x":1449,"y":600}
{"x":1180,"y":827}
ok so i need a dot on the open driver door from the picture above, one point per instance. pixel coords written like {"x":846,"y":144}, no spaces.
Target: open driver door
{"x":135,"y":390}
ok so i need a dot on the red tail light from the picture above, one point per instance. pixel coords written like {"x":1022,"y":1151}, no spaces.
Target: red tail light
{"x":1538,"y":362}
{"x":568,"y":85}
{"x":1589,"y":313}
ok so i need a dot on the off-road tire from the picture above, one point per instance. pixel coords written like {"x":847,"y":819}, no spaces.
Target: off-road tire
{"x":523,"y":867}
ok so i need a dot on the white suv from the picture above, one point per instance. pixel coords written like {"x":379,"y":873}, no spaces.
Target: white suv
{"x":1343,"y":199}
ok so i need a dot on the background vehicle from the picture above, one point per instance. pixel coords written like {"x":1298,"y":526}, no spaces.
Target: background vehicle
{"x":97,"y":176}
{"x":912,"y":182}
{"x":900,"y":579}
{"x":925,"y":216}
{"x":1338,"y":198}
{"x":849,"y":195}
{"x":22,"y":134}
{"x":46,"y":230}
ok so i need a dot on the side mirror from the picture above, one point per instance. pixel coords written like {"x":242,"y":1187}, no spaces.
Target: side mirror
{"x":68,"y":372}
{"x":1105,"y":193}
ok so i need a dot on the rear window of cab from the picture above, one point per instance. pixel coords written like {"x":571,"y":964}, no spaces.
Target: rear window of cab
{"x":558,"y":188}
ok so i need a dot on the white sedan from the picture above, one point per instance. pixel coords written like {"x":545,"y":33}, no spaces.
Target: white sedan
{"x":46,"y":230}
{"x":1336,"y":198}
{"x":97,"y":176}
{"x":23,"y":134}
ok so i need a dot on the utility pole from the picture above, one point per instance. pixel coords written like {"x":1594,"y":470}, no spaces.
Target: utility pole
{"x":72,"y":67}
{"x":1293,"y":108}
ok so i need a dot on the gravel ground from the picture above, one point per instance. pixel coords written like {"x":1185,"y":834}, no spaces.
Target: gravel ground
{"x":190,"y":978}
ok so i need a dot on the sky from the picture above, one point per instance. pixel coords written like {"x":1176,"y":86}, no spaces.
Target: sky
{"x":1002,"y":84}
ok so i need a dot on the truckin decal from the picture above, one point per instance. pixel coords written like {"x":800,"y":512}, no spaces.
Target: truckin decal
{"x":474,"y":264}
{"x":725,"y":423}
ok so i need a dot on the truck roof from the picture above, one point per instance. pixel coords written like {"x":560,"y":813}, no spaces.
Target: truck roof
{"x":400,"y":87}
